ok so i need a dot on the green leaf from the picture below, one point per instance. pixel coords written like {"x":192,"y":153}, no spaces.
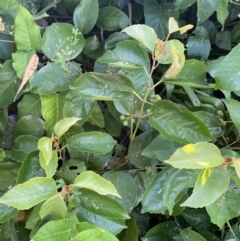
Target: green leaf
{"x":232,"y":106}
{"x":91,"y":180}
{"x":7,"y":212}
{"x":114,"y":38}
{"x":94,"y":235}
{"x":196,"y":156}
{"x":222,"y":12}
{"x":182,"y":4}
{"x":192,"y":74}
{"x":223,"y":40}
{"x":137,"y":146}
{"x":3,"y":119}
{"x":127,"y":54}
{"x":26,"y":32}
{"x":54,"y":206}
{"x":29,"y":125}
{"x":227,"y":205}
{"x":121,"y":180}
{"x":157,"y":16}
{"x":2,"y":154}
{"x":52,"y":107}
{"x":62,"y":42}
{"x":45,"y":146}
{"x":189,"y":235}
{"x":176,"y":122}
{"x":96,"y":118}
{"x":205,"y":9}
{"x":30,"y":104}
{"x":37,"y":189}
{"x":152,"y":201}
{"x":161,"y":149}
{"x":228,"y":69}
{"x":55,"y":230}
{"x":85,"y":15}
{"x":20,"y":62}
{"x":112,"y":18}
{"x":9,"y":4}
{"x":30,"y":168}
{"x":103,"y":206}
{"x":53,"y":78}
{"x":175,"y":186}
{"x":98,"y":86}
{"x":62,"y":126}
{"x":203,"y":193}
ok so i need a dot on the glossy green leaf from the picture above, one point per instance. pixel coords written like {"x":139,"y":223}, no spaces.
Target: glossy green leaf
{"x":94,"y":235}
{"x":176,"y":122}
{"x":2,"y":154}
{"x":114,"y":38}
{"x":52,"y":108}
{"x":53,"y":78}
{"x":91,"y":180}
{"x":29,"y":125}
{"x":227,"y":205}
{"x":203,"y":193}
{"x":26,"y":33}
{"x":98,"y":86}
{"x":152,"y":201}
{"x":175,"y":186}
{"x":143,"y":34}
{"x":30,"y":104}
{"x":223,"y":40}
{"x":157,"y":16}
{"x":228,"y":68}
{"x":161,"y":148}
{"x":189,"y":235}
{"x":7,"y":212}
{"x":38,"y":188}
{"x":55,"y":230}
{"x":182,"y":4}
{"x":54,"y":206}
{"x":62,"y":42}
{"x":121,"y":180}
{"x":232,"y":107}
{"x":127,"y":54}
{"x":137,"y":146}
{"x":205,"y":9}
{"x":103,"y":206}
{"x":30,"y":168}
{"x":112,"y":18}
{"x":85,"y":15}
{"x":222,"y":12}
{"x":3,"y":119}
{"x":192,"y":74}
{"x":9,"y":4}
{"x":196,"y":156}
{"x":96,"y":117}
{"x":45,"y":146}
{"x":62,"y":126}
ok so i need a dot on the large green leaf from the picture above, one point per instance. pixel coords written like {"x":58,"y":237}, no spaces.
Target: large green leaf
{"x":3,"y":119}
{"x":143,"y":34}
{"x":55,"y":230}
{"x":196,"y":156}
{"x":112,"y":18}
{"x":222,"y":12}
{"x":53,"y":78}
{"x":62,"y":42}
{"x":7,"y":212}
{"x":192,"y":74}
{"x":175,"y":186}
{"x":161,"y":148}
{"x":203,"y":193}
{"x":127,"y":54}
{"x":52,"y":107}
{"x":121,"y":180}
{"x":45,"y":146}
{"x":233,"y":107}
{"x":182,"y":4}
{"x":176,"y":122}
{"x":91,"y":180}
{"x":36,"y":189}
{"x":205,"y":9}
{"x":9,"y":4}
{"x":85,"y":15}
{"x":91,"y":142}
{"x":189,"y":235}
{"x":227,"y":205}
{"x":26,"y":32}
{"x":103,"y":206}
{"x":157,"y":16}
{"x":152,"y":201}
{"x":228,"y":68}
{"x":98,"y":86}
{"x":2,"y":154}
{"x":96,"y":118}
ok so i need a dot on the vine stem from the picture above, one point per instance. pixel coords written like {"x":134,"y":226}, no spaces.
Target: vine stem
{"x":51,"y":5}
{"x":6,"y":41}
{"x":231,"y":230}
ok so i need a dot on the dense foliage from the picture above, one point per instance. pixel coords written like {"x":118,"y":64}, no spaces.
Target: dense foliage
{"x":119,"y":120}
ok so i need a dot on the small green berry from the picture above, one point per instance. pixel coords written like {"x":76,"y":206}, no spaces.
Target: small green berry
{"x":223,"y":123}
{"x":158,"y":97}
{"x":220,"y":113}
{"x":132,"y":120}
{"x":122,"y":117}
{"x":153,"y":97}
{"x":125,"y":123}
{"x":148,"y":111}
